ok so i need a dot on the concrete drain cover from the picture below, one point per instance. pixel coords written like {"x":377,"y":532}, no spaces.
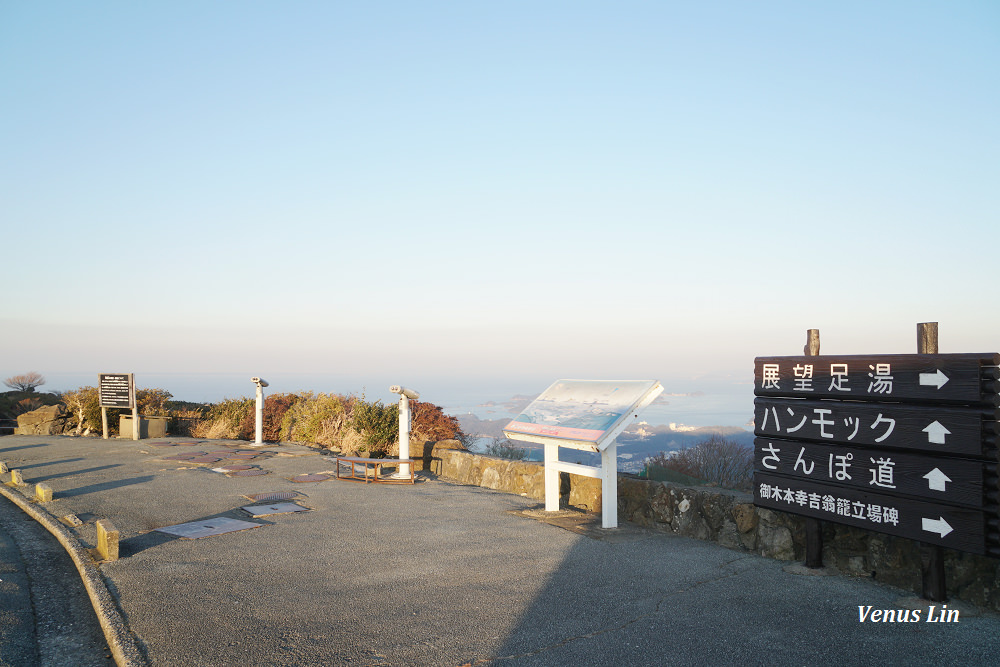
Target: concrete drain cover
{"x":254,"y":472}
{"x":195,"y":529}
{"x":273,"y":495}
{"x":310,"y":478}
{"x":279,"y":508}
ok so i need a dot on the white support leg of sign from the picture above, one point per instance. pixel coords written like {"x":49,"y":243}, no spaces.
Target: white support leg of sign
{"x":609,"y":486}
{"x":551,"y":477}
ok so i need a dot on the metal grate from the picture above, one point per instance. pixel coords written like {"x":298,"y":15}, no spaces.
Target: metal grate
{"x":256,"y":472}
{"x":272,"y":495}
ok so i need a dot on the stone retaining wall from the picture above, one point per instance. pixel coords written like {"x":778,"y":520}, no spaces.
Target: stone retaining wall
{"x":730,"y":519}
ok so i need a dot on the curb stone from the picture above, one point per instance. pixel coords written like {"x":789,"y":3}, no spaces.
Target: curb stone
{"x":120,"y":640}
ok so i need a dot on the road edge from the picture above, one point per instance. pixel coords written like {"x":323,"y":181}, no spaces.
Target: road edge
{"x":120,"y":640}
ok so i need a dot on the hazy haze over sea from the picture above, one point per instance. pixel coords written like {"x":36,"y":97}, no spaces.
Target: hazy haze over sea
{"x":704,"y":401}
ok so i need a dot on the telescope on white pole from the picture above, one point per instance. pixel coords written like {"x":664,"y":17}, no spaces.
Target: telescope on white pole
{"x":404,"y":426}
{"x":259,"y":417}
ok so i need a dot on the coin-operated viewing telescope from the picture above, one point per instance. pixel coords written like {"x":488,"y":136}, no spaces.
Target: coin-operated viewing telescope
{"x":259,"y":437}
{"x":404,"y":426}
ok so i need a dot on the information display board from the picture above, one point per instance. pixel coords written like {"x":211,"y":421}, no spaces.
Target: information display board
{"x":116,"y":390}
{"x":900,"y":444}
{"x":583,"y":414}
{"x":588,"y":415}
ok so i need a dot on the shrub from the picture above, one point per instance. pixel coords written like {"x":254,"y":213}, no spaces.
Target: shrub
{"x":429,"y":422}
{"x":717,"y":460}
{"x":377,"y":424}
{"x":273,"y":412}
{"x":505,"y":449}
{"x":84,"y":407}
{"x":320,"y":419}
{"x":226,"y":420}
{"x":152,"y":401}
{"x":13,"y":403}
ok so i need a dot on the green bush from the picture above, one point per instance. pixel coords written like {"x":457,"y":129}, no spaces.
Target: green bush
{"x":227,"y":418}
{"x":377,"y":424}
{"x":317,"y":419}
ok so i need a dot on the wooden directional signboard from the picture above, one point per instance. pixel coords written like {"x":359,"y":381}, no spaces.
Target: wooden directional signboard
{"x":899,"y":444}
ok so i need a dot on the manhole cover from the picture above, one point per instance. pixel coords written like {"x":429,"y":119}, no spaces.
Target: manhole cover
{"x":241,"y":455}
{"x":310,"y":478}
{"x":278,"y":508}
{"x":247,"y":473}
{"x":272,"y":495}
{"x":196,"y":529}
{"x":235,"y":468}
{"x":204,"y":459}
{"x":181,"y":457}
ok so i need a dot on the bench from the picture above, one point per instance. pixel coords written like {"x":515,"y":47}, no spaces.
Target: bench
{"x":372,"y":469}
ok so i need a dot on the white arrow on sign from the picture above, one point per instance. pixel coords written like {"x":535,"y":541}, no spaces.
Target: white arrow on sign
{"x":935,"y":379}
{"x":939,"y":526}
{"x":936,"y":480}
{"x":936,"y":432}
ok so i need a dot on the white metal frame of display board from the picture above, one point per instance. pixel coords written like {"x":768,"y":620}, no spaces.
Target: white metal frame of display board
{"x":602,"y":440}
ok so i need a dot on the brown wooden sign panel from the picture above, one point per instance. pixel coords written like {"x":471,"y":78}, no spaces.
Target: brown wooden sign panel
{"x":957,"y":431}
{"x":946,"y":480}
{"x":923,"y":378}
{"x":948,"y":526}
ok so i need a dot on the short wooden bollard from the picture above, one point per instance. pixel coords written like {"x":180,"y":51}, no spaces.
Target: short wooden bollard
{"x":43,"y":493}
{"x":107,"y":540}
{"x":16,"y":478}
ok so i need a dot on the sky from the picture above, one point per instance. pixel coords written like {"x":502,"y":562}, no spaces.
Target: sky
{"x":469,"y":195}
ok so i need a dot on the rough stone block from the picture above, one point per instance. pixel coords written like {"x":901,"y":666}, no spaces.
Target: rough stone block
{"x":107,"y":540}
{"x":16,"y":478}
{"x":3,"y":468}
{"x":47,"y":420}
{"x":43,"y":493}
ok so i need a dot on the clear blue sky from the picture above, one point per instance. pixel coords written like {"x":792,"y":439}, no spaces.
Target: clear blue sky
{"x":493,"y":192}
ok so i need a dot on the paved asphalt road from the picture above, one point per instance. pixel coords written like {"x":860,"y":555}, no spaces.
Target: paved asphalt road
{"x":442,"y":574}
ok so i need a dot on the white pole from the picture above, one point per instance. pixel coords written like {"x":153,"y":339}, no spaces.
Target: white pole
{"x":551,"y":477}
{"x":259,"y":438}
{"x":609,"y":486}
{"x":404,"y":434}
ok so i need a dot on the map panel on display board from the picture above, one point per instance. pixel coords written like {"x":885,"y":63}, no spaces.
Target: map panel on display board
{"x":584,"y":414}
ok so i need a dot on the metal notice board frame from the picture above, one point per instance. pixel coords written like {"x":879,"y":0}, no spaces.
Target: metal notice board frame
{"x":586,"y":415}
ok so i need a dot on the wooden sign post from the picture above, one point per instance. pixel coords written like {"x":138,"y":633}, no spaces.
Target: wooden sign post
{"x":898,"y":444}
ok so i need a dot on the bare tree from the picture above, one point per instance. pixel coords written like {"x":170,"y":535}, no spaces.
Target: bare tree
{"x":717,"y":460}
{"x":25,"y":382}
